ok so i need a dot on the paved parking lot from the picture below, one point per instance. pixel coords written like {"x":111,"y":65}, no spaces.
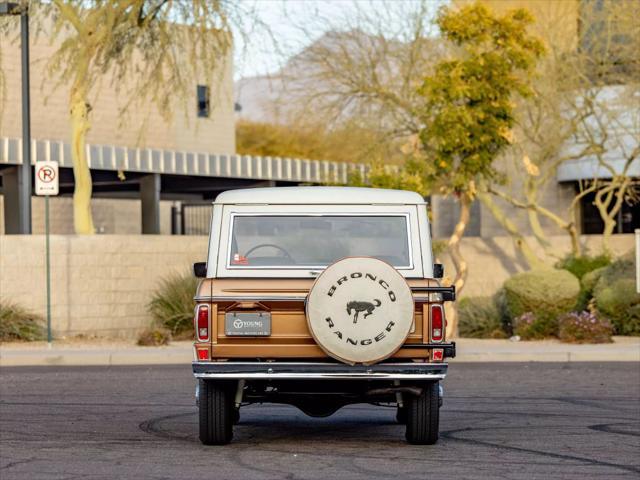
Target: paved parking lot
{"x":515,"y":420}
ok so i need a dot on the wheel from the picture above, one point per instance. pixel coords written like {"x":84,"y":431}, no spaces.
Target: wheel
{"x":236,"y":416}
{"x":216,"y":411}
{"x":423,"y":416}
{"x":401,"y":415}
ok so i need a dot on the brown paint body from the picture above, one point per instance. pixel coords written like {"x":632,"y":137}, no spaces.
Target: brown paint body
{"x":290,"y":337}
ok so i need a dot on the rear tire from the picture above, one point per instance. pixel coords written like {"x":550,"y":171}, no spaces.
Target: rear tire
{"x":216,"y":411}
{"x":423,"y":416}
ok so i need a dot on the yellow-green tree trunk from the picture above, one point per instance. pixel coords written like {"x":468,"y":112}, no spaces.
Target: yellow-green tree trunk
{"x":459,"y":262}
{"x":520,"y":242}
{"x":82,"y":218}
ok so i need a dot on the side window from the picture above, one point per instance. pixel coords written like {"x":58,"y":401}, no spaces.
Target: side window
{"x":203,"y":101}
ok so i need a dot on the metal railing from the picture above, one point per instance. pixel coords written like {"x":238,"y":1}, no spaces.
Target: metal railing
{"x":191,"y":218}
{"x":174,"y":162}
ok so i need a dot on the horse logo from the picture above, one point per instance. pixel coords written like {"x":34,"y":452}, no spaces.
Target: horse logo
{"x":358,"y":307}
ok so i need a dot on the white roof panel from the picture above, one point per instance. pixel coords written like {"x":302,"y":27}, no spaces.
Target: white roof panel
{"x":319,"y":196}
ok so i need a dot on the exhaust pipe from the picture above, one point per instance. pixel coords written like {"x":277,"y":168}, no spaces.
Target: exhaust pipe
{"x":392,"y":390}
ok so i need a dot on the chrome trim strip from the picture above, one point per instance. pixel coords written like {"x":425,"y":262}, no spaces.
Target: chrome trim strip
{"x":385,"y":365}
{"x":323,"y":376}
{"x":260,"y":298}
{"x":204,"y":298}
{"x":319,"y":370}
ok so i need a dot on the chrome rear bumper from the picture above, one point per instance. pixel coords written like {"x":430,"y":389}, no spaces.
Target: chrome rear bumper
{"x":319,"y":371}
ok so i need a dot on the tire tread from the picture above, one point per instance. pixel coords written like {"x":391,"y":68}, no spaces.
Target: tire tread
{"x":215,"y":413}
{"x":423,"y":416}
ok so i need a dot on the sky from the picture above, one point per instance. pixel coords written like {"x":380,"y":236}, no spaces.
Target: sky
{"x":264,"y":53}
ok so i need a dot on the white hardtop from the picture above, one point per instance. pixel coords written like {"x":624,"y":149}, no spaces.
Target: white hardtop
{"x":319,"y":196}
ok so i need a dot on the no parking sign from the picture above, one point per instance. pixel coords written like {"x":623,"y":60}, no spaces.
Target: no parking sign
{"x":47,"y":182}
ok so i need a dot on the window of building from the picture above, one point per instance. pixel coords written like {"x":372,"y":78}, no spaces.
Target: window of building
{"x":627,"y":220}
{"x":203,"y":101}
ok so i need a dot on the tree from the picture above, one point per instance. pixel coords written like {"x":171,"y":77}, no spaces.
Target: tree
{"x":161,"y":45}
{"x":469,"y":111}
{"x":153,"y":51}
{"x":584,"y":109}
{"x":344,"y":143}
{"x":450,"y":100}
{"x":364,"y":70}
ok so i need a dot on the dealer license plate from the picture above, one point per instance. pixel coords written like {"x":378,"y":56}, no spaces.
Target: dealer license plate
{"x":239,"y":324}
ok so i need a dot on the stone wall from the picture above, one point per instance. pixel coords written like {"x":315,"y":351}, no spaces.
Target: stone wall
{"x":102,"y":284}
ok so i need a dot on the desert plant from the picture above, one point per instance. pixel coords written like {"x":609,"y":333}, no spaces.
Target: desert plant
{"x":580,"y":265}
{"x":615,"y":296}
{"x":587,"y":284}
{"x":529,"y":326}
{"x":506,"y":321}
{"x":584,"y":327}
{"x":172,"y":304}
{"x":479,"y":317}
{"x":17,"y":323}
{"x":154,"y":337}
{"x":545,"y":293}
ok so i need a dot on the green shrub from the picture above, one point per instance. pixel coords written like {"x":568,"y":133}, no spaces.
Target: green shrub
{"x":583,"y":264}
{"x":620,"y":303}
{"x":545,"y":294}
{"x":172,"y":304}
{"x":584,"y":327}
{"x":500,"y":301}
{"x":587,"y":284}
{"x":479,"y":317}
{"x":529,"y":326}
{"x":16,"y":323}
{"x":615,"y":296}
{"x":154,"y":337}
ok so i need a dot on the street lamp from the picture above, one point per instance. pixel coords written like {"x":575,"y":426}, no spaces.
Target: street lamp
{"x":23,"y":224}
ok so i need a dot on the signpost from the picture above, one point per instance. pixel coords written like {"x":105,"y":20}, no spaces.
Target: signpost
{"x":47,"y":184}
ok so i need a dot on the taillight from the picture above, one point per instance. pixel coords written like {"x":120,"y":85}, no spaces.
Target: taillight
{"x":437,"y":323}
{"x":202,"y":322}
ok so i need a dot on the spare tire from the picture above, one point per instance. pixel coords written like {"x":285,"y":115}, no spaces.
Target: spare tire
{"x":360,"y":310}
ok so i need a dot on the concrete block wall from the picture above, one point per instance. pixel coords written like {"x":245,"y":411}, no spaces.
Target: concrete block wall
{"x":101,"y":284}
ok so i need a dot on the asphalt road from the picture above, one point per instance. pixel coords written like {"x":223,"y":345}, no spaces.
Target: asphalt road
{"x":498,"y":421}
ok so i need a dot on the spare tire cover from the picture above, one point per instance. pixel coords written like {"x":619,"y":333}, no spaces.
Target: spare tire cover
{"x":360,"y":310}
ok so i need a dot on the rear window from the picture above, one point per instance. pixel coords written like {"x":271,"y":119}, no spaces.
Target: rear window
{"x":305,"y":241}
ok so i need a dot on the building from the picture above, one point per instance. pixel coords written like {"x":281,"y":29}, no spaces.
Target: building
{"x":206,"y":125}
{"x":156,"y":179}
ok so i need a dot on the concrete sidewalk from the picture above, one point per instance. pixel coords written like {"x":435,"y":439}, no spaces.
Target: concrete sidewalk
{"x":624,"y":349}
